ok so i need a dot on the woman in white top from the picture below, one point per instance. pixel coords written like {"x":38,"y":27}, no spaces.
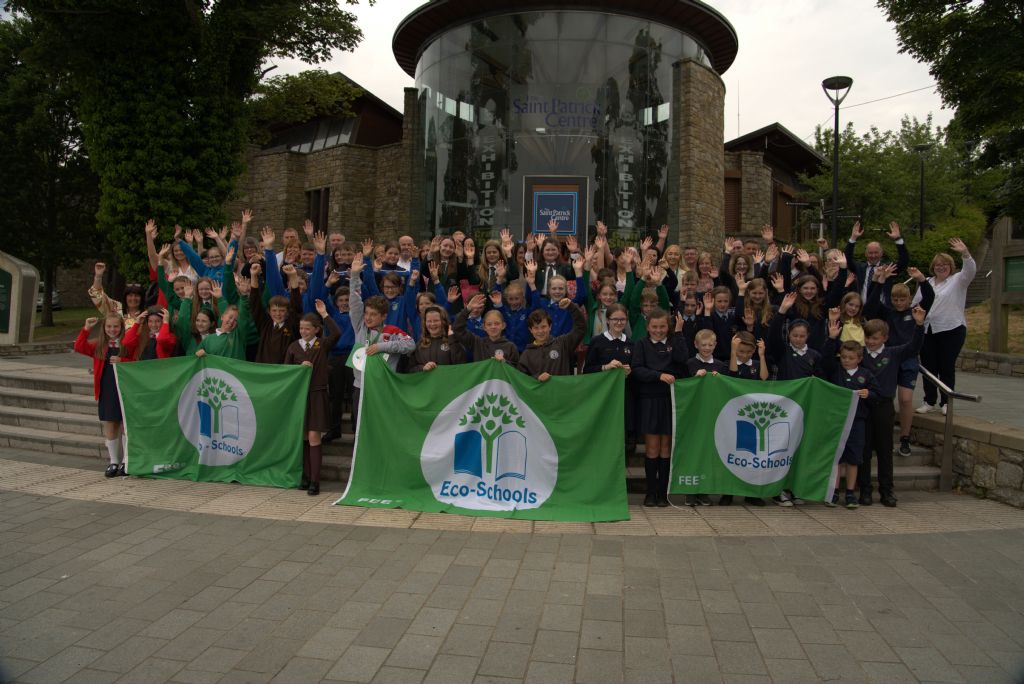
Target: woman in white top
{"x":946,"y":326}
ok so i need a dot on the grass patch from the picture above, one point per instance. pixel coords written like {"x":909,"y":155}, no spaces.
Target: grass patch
{"x":66,"y":324}
{"x":978,"y":325}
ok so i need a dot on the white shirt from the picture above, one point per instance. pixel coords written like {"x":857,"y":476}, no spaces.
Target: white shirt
{"x":874,"y":354}
{"x":799,"y":350}
{"x":947,"y":312}
{"x":706,"y":359}
{"x":620,"y":338}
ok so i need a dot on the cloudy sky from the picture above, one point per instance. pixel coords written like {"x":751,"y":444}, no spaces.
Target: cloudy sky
{"x":786,"y":49}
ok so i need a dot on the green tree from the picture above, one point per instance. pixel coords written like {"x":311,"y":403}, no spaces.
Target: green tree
{"x":295,"y":98}
{"x":48,"y":206}
{"x":164,"y":95}
{"x":215,"y":391}
{"x":973,"y":49}
{"x":761,"y":414}
{"x":492,"y":412}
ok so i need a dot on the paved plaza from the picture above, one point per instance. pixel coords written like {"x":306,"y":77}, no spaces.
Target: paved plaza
{"x":152,"y":581}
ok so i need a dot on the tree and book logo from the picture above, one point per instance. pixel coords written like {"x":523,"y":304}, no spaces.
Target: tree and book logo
{"x":756,"y":436}
{"x":216,"y":415}
{"x":487,"y":450}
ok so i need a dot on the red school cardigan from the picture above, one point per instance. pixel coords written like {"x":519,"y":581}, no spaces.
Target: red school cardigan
{"x":86,"y":347}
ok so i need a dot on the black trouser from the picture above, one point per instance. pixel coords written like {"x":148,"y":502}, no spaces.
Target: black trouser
{"x":878,"y":430}
{"x":340,"y":388}
{"x":938,"y":354}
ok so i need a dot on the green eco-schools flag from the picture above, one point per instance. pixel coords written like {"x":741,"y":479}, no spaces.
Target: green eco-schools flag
{"x":214,"y":419}
{"x":754,"y":438}
{"x":484,"y":439}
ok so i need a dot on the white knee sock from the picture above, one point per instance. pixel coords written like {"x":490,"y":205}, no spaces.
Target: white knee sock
{"x":114,"y":450}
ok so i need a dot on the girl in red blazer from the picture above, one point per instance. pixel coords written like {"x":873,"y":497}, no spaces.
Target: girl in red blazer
{"x":107,"y":349}
{"x":157,"y":341}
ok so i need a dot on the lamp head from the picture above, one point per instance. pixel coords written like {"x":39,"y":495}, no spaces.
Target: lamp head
{"x":923,"y":147}
{"x":839,"y":85}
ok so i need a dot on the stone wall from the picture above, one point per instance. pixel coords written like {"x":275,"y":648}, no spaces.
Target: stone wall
{"x":991,"y":363}
{"x":697,"y":132}
{"x":755,"y":193}
{"x":988,"y":459}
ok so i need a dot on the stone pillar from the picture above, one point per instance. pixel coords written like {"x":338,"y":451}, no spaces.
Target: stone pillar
{"x":698,"y":155}
{"x":411,"y":210}
{"x":755,"y":194}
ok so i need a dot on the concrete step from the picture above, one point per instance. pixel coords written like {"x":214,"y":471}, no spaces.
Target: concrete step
{"x":44,"y":419}
{"x":51,"y":441}
{"x":60,"y":402}
{"x":53,"y":381}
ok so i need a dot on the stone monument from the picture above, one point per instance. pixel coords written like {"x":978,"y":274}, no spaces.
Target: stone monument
{"x":19,"y":283}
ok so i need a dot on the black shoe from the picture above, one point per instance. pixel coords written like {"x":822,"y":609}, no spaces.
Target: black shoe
{"x":725,"y":500}
{"x":690,"y":500}
{"x":889,"y":501}
{"x":663,"y":501}
{"x":122,"y":471}
{"x":753,"y":501}
{"x":904,"y":446}
{"x":650,"y":500}
{"x":314,"y":488}
{"x":331,"y":435}
{"x":865,"y":499}
{"x":304,"y":484}
{"x":704,"y":499}
{"x":111,"y":470}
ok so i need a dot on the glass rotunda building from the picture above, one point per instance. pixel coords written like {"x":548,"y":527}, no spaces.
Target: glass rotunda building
{"x":578,"y":111}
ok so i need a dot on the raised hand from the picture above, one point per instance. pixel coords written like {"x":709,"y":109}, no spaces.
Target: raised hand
{"x":894,"y":231}
{"x":307,"y":228}
{"x":267,"y":237}
{"x":216,"y":289}
{"x":319,"y":242}
{"x":246,"y":217}
{"x":713,"y":273}
{"x":506,"y":236}
{"x":679,"y":322}
{"x":230,"y":256}
{"x":531,"y":242}
{"x":600,"y":242}
{"x":787,"y":302}
{"x":357,"y":266}
{"x":748,"y":317}
{"x":531,"y":270}
{"x":236,"y":231}
{"x":709,"y":303}
{"x":435,"y":271}
{"x":165,"y":252}
{"x":177,"y":231}
{"x":834,"y":327}
{"x":915,"y":274}
{"x":99,"y":268}
{"x":919,"y":314}
{"x":321,"y":308}
{"x":332,"y":279}
{"x":552,"y":226}
{"x":590,"y":253}
{"x":778,"y":282}
{"x":453,"y":294}
{"x":476,"y":304}
{"x":459,"y":250}
{"x":851,"y":278}
{"x":856,"y":232}
{"x":564,"y":303}
{"x":255,"y":268}
{"x":768,"y":233}
{"x":572,"y":244}
{"x":958,"y":245}
{"x":578,"y":262}
{"x":741,"y":283}
{"x":834,"y":314}
{"x":151,"y":229}
{"x":496,"y":299}
{"x":772,"y":253}
{"x":758,"y":257}
{"x":788,"y":249}
{"x":728,"y":244}
{"x":802,"y":256}
{"x":645,"y":244}
{"x":223,"y":234}
{"x":822,"y":244}
{"x":760,"y":350}
{"x":91,"y":322}
{"x":501,"y":270}
{"x":602,"y":229}
{"x":210,"y":233}
{"x":469,"y":250}
{"x":663,"y":232}
{"x":839,"y":259}
{"x":367,"y":247}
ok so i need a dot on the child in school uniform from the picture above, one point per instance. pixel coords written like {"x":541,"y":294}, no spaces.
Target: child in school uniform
{"x":157,"y":342}
{"x":658,"y":361}
{"x":227,"y":340}
{"x":884,"y":361}
{"x":369,"y":329}
{"x":849,"y":373}
{"x":107,"y":349}
{"x":277,"y":323}
{"x":493,"y":345}
{"x":312,"y":350}
{"x":720,"y":318}
{"x":547,"y":355}
{"x":703,"y":361}
{"x":789,"y":351}
{"x":611,"y":349}
{"x":436,"y":347}
{"x":850,"y":311}
{"x":742,"y":364}
{"x":514,"y":309}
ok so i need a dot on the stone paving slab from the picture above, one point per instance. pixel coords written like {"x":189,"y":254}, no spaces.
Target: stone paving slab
{"x":117,"y":588}
{"x":918,"y":512}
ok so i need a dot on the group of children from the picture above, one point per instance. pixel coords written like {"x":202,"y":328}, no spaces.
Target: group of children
{"x":547,"y":306}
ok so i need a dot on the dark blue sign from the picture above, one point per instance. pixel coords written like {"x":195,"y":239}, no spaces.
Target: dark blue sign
{"x":562,"y":206}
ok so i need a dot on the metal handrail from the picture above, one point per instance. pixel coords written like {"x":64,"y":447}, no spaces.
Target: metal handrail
{"x":946,"y":473}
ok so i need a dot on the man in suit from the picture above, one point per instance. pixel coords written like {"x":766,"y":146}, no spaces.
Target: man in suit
{"x":873,"y":256}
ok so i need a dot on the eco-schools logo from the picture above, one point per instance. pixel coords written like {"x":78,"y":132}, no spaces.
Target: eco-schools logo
{"x":756,"y":436}
{"x":487,"y":450}
{"x":217,"y":417}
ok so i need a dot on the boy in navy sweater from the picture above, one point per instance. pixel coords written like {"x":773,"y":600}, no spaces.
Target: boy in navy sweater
{"x":884,"y":362}
{"x":719,"y":318}
{"x":742,"y":363}
{"x":849,"y":373}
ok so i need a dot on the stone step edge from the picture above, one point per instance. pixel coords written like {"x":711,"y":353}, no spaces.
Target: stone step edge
{"x":41,"y":395}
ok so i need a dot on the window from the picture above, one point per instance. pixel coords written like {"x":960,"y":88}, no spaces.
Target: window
{"x":318,"y":205}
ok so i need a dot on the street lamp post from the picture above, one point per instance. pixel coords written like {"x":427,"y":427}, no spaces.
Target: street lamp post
{"x":836,"y":89}
{"x":921,"y":148}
